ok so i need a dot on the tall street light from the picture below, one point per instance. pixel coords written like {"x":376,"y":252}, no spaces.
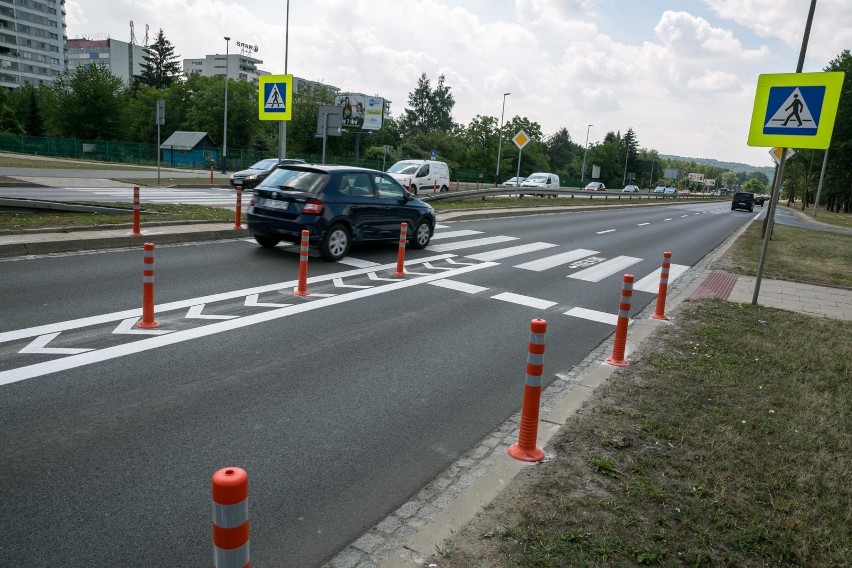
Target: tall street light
{"x":225,"y":129}
{"x":500,"y":144}
{"x":585,"y":150}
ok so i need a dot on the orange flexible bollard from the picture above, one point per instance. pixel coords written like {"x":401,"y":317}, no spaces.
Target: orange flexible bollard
{"x":302,"y":290}
{"x":229,"y":489}
{"x":400,"y":255}
{"x":617,"y":357}
{"x":211,"y":176}
{"x":525,"y":449}
{"x":239,"y":212}
{"x":137,"y":232}
{"x":148,"y":321}
{"x":660,"y":311}
{"x":435,"y":186}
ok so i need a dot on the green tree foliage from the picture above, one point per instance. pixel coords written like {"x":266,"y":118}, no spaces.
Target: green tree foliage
{"x":754,"y":185}
{"x":87,"y":102}
{"x":431,"y":109}
{"x":162,"y":66}
{"x":9,"y":123}
{"x":565,"y":157}
{"x":26,"y":104}
{"x":837,"y":191}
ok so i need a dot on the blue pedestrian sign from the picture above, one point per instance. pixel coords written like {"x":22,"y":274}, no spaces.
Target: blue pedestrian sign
{"x":434,"y":154}
{"x":795,"y":110}
{"x":275,"y":97}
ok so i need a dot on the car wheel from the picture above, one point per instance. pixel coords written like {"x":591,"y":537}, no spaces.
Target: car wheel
{"x":732,"y":207}
{"x":266,"y":242}
{"x":421,"y":235}
{"x":336,"y":243}
{"x":444,"y":189}
{"x":751,"y":209}
{"x":414,"y":190}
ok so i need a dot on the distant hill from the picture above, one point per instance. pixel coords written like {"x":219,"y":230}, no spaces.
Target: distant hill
{"x":733,"y":166}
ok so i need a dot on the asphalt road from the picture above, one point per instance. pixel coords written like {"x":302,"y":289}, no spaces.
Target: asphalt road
{"x":340,"y":405}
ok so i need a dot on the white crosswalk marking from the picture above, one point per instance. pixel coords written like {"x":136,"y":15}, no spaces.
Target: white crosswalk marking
{"x":511,"y":251}
{"x":454,"y":234}
{"x":524,"y":300}
{"x":651,"y":283}
{"x":556,"y":260}
{"x":459,"y":286}
{"x":471,"y":243}
{"x":593,"y":315}
{"x":608,"y":268}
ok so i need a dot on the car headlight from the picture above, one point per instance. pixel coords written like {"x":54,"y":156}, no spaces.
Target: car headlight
{"x":252,"y":176}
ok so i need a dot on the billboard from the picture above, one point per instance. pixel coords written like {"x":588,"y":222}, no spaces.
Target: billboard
{"x":361,"y":112}
{"x":696,"y":177}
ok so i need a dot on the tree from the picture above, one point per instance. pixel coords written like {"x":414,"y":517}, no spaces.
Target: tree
{"x":87,"y":102}
{"x":563,"y":154}
{"x":837,"y":190}
{"x":8,"y":121}
{"x":431,"y":110}
{"x":754,"y":185}
{"x":25,"y":101}
{"x":161,"y":66}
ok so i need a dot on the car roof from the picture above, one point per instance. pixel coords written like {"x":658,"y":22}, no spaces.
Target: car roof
{"x":329,"y":168}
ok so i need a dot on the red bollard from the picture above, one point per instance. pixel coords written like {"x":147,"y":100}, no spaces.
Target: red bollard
{"x":617,"y":357}
{"x":239,"y":212}
{"x":148,"y":321}
{"x":211,"y":176}
{"x":229,"y":489}
{"x":400,"y":255}
{"x":409,"y":186}
{"x":302,"y":290}
{"x":660,"y":312}
{"x":525,"y":449}
{"x":137,"y":232}
{"x":435,"y":186}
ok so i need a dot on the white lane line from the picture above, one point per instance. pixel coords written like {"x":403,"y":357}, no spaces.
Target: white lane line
{"x":39,"y":346}
{"x":183,"y":304}
{"x":604,"y":232}
{"x":651,"y":283}
{"x":682,"y":216}
{"x":669,"y":219}
{"x":75,"y":361}
{"x":251,"y":301}
{"x":556,"y":260}
{"x":128,"y":327}
{"x":600,"y":271}
{"x":642,"y":224}
{"x":195,"y":313}
{"x":459,"y":286}
{"x":338,"y":283}
{"x":472,"y":243}
{"x":357,"y":262}
{"x":511,"y":251}
{"x":593,"y":315}
{"x":440,"y":226}
{"x":524,"y":300}
{"x":455,"y":234}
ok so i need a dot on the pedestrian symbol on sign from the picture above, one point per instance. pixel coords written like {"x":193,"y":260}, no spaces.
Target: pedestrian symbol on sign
{"x":794,"y":110}
{"x":274,"y":98}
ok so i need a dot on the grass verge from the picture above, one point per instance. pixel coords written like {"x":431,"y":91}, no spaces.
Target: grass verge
{"x":726,"y":443}
{"x":797,"y":255}
{"x":19,"y":221}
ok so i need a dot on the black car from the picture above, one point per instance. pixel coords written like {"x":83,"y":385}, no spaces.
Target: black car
{"x":338,"y":205}
{"x":256,"y":173}
{"x":758,"y":200}
{"x":743,"y":200}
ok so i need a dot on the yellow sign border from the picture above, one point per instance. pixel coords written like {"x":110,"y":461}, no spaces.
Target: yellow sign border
{"x":288,"y":97}
{"x":833,"y":83}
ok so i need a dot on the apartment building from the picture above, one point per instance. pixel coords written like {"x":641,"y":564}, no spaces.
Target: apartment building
{"x":32,"y":42}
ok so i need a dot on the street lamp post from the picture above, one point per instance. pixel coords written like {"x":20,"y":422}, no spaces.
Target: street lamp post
{"x":500,"y":144}
{"x":585,"y":150}
{"x":225,"y":128}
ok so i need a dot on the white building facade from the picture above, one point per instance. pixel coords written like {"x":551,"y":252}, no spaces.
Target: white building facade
{"x":123,"y":59}
{"x":32,"y":42}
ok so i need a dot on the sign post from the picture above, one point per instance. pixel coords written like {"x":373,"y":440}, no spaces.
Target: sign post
{"x":161,"y":120}
{"x":520,"y":139}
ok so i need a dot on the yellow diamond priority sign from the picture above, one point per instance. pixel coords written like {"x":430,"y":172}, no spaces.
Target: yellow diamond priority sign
{"x":520,"y":139}
{"x":795,"y":110}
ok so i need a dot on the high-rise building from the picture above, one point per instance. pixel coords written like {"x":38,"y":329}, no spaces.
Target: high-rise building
{"x":239,"y":66}
{"x":32,"y":42}
{"x":124,"y":60}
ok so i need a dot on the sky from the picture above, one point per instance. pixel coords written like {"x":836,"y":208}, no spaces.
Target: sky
{"x":681,"y":73}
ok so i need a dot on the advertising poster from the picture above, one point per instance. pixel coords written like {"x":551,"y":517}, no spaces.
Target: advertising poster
{"x":361,"y":112}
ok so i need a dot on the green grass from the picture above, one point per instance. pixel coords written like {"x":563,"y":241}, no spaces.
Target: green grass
{"x":798,"y":255}
{"x":9,"y":161}
{"x":734,"y":441}
{"x":19,"y":221}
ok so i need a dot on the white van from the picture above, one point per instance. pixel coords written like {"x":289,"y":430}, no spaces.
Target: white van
{"x":428,"y":175}
{"x":541,"y":180}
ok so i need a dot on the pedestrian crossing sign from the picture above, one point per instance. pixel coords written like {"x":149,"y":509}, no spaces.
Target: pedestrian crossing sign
{"x":275,"y":97}
{"x":795,"y":110}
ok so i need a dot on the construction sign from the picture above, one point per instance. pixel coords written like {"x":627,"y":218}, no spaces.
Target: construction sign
{"x":795,"y":110}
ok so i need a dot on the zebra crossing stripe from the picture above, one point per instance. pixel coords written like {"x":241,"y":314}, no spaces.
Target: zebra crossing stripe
{"x":459,"y":286}
{"x":472,"y":243}
{"x":454,"y":234}
{"x":593,"y":315}
{"x":651,"y":283}
{"x":607,"y":268}
{"x":556,"y":260}
{"x":528,"y":301}
{"x":511,"y":251}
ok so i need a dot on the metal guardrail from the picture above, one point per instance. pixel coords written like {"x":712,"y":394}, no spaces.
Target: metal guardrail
{"x":562,"y":193}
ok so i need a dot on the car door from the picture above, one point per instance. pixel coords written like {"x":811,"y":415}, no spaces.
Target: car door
{"x":393,"y":201}
{"x":425,"y":178}
{"x":362,"y":209}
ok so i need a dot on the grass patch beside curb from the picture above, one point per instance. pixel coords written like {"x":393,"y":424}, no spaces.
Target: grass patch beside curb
{"x":726,"y":443}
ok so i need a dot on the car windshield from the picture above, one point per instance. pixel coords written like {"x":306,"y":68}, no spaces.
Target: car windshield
{"x":264,"y":164}
{"x":540,"y":178}
{"x":404,"y":168}
{"x":310,"y":181}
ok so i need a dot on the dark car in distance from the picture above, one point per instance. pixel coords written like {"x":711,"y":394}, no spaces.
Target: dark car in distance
{"x":759,"y":200}
{"x":743,"y":200}
{"x":338,"y":205}
{"x":256,"y":173}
